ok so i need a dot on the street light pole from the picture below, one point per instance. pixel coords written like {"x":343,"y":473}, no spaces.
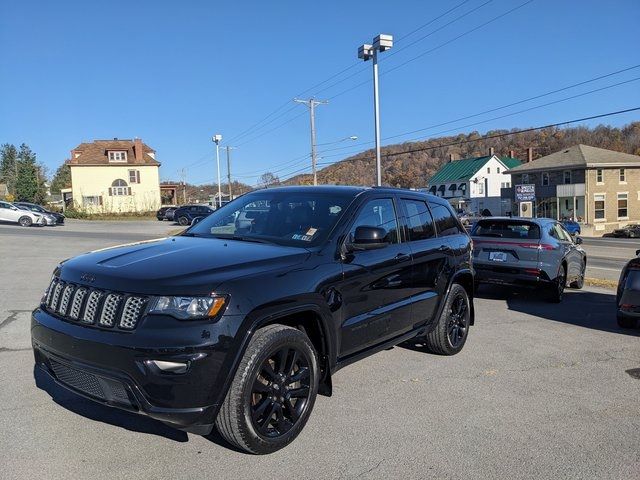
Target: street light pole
{"x":366,"y":52}
{"x":312,"y":103}
{"x":229,"y":169}
{"x":217,"y":138}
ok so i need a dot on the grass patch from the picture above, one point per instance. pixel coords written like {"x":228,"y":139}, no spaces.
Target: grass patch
{"x":601,"y":282}
{"x":80,"y":215}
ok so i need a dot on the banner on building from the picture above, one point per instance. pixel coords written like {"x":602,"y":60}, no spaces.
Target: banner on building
{"x":525,"y":193}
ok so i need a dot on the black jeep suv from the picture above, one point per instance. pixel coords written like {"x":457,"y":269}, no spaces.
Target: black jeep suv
{"x":239,"y":324}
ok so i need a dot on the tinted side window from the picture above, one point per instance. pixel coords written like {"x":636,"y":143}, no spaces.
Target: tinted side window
{"x":419,"y":220}
{"x":379,"y":212}
{"x":445,"y":222}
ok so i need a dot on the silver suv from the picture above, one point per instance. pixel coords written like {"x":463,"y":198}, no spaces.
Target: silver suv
{"x":531,"y":252}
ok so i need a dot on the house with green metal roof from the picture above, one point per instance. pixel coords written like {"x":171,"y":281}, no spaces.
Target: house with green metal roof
{"x":473,"y":184}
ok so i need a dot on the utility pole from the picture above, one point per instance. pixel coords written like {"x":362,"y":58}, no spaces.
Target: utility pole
{"x":229,"y":169}
{"x":183,"y":176}
{"x":312,"y":104}
{"x":217,"y":138}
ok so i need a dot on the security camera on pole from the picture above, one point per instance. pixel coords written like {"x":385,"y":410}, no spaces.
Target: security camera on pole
{"x":217,"y":138}
{"x":380,"y":44}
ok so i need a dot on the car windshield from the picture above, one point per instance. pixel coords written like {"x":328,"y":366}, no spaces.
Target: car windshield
{"x":291,"y":218}
{"x":506,"y":229}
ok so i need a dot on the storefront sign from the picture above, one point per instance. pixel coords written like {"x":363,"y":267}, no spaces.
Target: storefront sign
{"x":525,"y":193}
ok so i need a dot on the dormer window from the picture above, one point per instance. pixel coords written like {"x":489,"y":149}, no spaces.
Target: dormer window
{"x":117,"y":156}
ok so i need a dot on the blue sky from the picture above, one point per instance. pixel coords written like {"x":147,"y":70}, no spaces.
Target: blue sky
{"x":174,"y":73}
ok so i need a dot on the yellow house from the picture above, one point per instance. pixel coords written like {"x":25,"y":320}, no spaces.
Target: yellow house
{"x":114,"y":176}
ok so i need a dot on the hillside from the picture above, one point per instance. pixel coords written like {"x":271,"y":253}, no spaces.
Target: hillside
{"x":404,"y":167}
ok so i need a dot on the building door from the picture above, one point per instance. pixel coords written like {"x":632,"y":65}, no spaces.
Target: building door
{"x":526,"y":209}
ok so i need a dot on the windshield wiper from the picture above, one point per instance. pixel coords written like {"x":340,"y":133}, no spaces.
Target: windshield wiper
{"x":242,"y":238}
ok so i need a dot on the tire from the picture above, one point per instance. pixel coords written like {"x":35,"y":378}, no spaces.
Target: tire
{"x":253,"y":394}
{"x":25,"y":221}
{"x":556,"y":290}
{"x":184,"y":221}
{"x":450,"y":333}
{"x":579,"y":283}
{"x":626,"y":322}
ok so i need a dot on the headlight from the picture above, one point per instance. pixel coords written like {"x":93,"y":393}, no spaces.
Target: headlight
{"x":189,"y":308}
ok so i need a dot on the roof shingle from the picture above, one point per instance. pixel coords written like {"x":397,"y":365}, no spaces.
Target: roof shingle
{"x":96,"y":153}
{"x":460,"y":170}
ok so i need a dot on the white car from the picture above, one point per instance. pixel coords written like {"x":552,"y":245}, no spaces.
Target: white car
{"x":10,"y":213}
{"x":49,"y":220}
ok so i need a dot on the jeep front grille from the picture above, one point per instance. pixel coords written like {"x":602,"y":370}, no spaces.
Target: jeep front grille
{"x":91,"y":306}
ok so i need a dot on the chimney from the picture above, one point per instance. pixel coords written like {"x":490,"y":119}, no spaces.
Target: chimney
{"x":511,"y":154}
{"x":529,"y":154}
{"x":452,"y":157}
{"x":492,"y":152}
{"x":137,"y":149}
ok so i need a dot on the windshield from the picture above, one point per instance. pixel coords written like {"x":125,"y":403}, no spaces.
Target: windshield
{"x":300,"y":219}
{"x":506,"y":229}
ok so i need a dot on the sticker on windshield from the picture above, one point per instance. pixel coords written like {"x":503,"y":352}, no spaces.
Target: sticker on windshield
{"x":304,"y":238}
{"x":312,"y":231}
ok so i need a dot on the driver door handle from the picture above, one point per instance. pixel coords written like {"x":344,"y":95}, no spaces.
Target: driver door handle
{"x":444,"y":248}
{"x":401,"y":257}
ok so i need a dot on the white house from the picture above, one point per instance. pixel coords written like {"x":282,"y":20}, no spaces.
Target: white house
{"x":473,"y":184}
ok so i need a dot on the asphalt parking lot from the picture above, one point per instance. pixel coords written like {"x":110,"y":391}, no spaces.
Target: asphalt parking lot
{"x":540,"y":391}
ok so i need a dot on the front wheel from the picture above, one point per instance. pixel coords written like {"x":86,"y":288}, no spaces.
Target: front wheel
{"x":25,"y":221}
{"x":579,"y":282}
{"x":558,"y":285}
{"x":273,"y":391}
{"x":452,"y":329}
{"x":184,"y":221}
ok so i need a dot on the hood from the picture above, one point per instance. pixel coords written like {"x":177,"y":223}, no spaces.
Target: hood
{"x":176,"y":265}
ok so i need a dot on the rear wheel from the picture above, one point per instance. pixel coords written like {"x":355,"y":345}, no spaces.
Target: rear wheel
{"x":626,"y":322}
{"x":184,"y":221}
{"x":25,"y":221}
{"x":273,"y":391}
{"x":558,"y":285}
{"x":579,"y":282}
{"x":450,"y":334}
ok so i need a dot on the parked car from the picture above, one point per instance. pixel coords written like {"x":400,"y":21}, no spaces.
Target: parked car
{"x":628,"y":294}
{"x":166,"y":212}
{"x":531,"y":252}
{"x":241,"y":329}
{"x":630,"y":231}
{"x":11,"y":213}
{"x":185,"y":214}
{"x":58,"y":217}
{"x":49,"y":220}
{"x":572,"y":227}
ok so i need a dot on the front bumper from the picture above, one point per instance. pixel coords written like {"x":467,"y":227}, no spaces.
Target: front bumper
{"x":115,"y":368}
{"x":513,"y":276}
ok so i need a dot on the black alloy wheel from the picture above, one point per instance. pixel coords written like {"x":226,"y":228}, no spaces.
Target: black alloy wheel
{"x":578,"y":283}
{"x":558,"y":285}
{"x":280,"y":392}
{"x":273,"y":391}
{"x":184,"y":221}
{"x":450,"y":333}
{"x":458,"y":321}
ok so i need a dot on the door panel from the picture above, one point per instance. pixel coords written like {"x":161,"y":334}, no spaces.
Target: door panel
{"x":375,"y":287}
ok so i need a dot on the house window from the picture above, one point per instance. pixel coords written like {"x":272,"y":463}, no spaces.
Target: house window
{"x":481,"y":188}
{"x":92,"y":201}
{"x":488,"y":169}
{"x":599,"y":175}
{"x":119,"y":188}
{"x":134,"y":176}
{"x":545,"y":179}
{"x":622,"y":205}
{"x":498,"y":169}
{"x":117,"y":156}
{"x":599,"y":206}
{"x":567,"y":177}
{"x":623,"y":177}
{"x":525,"y":178}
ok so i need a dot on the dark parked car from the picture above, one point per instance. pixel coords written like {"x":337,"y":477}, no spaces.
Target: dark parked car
{"x":59,"y":218}
{"x":572,"y":227}
{"x":166,"y":213}
{"x":530,"y":252}
{"x":241,"y":327}
{"x":630,"y":231}
{"x":185,"y":214}
{"x":628,"y":295}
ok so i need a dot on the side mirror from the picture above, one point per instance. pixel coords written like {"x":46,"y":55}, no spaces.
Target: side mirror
{"x":578,"y":240}
{"x":638,"y":252}
{"x":196,"y":220}
{"x":368,"y":238}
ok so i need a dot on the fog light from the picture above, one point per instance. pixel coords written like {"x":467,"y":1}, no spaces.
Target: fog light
{"x":171,"y":367}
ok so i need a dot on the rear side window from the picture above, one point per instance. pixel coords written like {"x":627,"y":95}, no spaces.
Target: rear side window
{"x":506,"y":229}
{"x":445,"y":222}
{"x":419,"y":220}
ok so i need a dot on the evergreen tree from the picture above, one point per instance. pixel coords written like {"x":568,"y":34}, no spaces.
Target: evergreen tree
{"x":8,"y":166}
{"x":28,"y":186}
{"x":61,"y":179}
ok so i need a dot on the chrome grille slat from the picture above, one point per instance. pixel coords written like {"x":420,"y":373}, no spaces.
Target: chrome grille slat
{"x":95,"y":307}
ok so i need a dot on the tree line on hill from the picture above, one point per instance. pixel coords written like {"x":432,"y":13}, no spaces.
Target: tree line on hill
{"x":23,"y":176}
{"x":412,"y":164}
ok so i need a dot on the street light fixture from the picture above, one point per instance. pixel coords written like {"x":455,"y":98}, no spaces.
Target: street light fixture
{"x":217,"y":138}
{"x":380,"y":43}
{"x":352,"y":137}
